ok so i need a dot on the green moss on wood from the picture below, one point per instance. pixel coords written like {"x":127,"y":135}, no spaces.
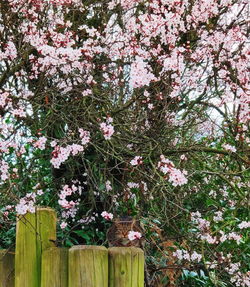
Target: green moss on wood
{"x":55,"y":267}
{"x":88,"y":266}
{"x":126,"y":267}
{"x":35,"y":232}
{"x":7,"y":259}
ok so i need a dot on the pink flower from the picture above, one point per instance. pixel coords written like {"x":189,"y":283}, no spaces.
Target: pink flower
{"x":76,"y":148}
{"x":136,"y":161}
{"x":53,"y":143}
{"x":108,"y":185}
{"x":4,"y":98}
{"x":19,"y":112}
{"x":175,"y":176}
{"x":134,"y":235}
{"x":26,"y":204}
{"x":63,"y":225}
{"x":141,"y":74}
{"x":39,"y":192}
{"x":4,"y":170}
{"x":61,"y":154}
{"x":40,"y":143}
{"x":183,"y":157}
{"x":107,"y":130}
{"x":150,"y":106}
{"x":228,"y":147}
{"x":244,"y":224}
{"x":86,"y":92}
{"x":218,"y":216}
{"x":184,"y":255}
{"x":85,"y":136}
{"x":107,"y":216}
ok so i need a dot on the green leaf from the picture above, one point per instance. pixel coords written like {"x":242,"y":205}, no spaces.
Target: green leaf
{"x":82,"y":234}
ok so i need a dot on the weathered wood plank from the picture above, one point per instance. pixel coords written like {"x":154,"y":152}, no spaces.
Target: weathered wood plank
{"x":46,"y":230}
{"x":7,"y":264}
{"x":54,"y":267}
{"x":126,"y":267}
{"x":88,"y":266}
{"x":35,"y":232}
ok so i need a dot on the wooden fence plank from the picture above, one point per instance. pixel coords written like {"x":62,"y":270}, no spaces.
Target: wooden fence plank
{"x":55,"y":267}
{"x":88,"y":266}
{"x":126,"y":267}
{"x":35,"y":232}
{"x":7,"y":264}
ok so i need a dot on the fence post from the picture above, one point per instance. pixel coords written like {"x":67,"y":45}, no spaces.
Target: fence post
{"x":35,"y":232}
{"x":6,"y":268}
{"x":55,"y":267}
{"x":88,"y":266}
{"x":126,"y":267}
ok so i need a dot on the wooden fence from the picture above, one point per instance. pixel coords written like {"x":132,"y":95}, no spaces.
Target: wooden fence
{"x":36,"y":262}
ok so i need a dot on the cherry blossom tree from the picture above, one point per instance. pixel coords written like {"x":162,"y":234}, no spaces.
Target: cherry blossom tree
{"x":136,"y":108}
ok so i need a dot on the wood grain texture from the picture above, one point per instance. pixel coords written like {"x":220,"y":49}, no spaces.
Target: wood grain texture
{"x":126,"y":267}
{"x":7,"y":265}
{"x":54,"y":267}
{"x":88,"y":266}
{"x":35,"y":232}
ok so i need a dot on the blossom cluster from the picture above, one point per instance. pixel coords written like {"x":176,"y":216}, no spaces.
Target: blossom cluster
{"x":204,"y":229}
{"x":174,"y":175}
{"x":137,"y":160}
{"x":4,"y":170}
{"x":134,"y":235}
{"x":60,"y":154}
{"x":107,"y":215}
{"x":182,"y":254}
{"x":228,"y":147}
{"x":26,"y":204}
{"x":40,"y":143}
{"x":107,"y":128}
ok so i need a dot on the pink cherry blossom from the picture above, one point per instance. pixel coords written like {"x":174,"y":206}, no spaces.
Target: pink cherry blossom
{"x":108,"y":185}
{"x":107,"y":216}
{"x":175,"y":176}
{"x":182,"y":254}
{"x":63,"y":225}
{"x":84,"y":136}
{"x":137,"y":160}
{"x":141,"y":74}
{"x":244,"y":224}
{"x":228,"y":147}
{"x":107,"y":130}
{"x":40,"y":143}
{"x":134,"y":235}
